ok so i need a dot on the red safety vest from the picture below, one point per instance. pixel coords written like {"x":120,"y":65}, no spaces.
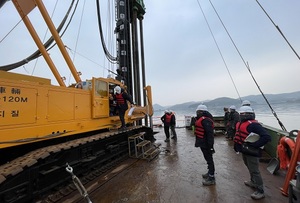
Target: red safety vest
{"x":199,"y":130}
{"x":120,"y":99}
{"x":241,"y":131}
{"x":168,"y":118}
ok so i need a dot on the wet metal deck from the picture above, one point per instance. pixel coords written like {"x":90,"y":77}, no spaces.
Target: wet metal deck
{"x":175,"y":176}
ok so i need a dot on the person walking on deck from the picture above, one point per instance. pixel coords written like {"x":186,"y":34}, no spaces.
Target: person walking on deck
{"x":172,"y":126}
{"x":248,"y":125}
{"x":204,"y":133}
{"x":166,"y":119}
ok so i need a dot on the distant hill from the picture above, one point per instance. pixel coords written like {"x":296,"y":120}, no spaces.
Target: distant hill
{"x":158,"y":107}
{"x":226,"y":101}
{"x":275,"y":98}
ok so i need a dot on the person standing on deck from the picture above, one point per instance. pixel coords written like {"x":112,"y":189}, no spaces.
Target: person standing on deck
{"x":204,"y":132}
{"x":246,"y":103}
{"x":233,"y":119}
{"x":121,"y":98}
{"x":248,"y":125}
{"x":166,"y":119}
{"x":172,"y":126}
{"x":226,"y":118}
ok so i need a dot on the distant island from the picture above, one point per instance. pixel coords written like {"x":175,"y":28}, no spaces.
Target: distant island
{"x":293,"y":97}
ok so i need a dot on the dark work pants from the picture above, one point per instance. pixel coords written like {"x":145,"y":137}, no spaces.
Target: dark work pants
{"x":167,"y":131}
{"x":121,"y":116}
{"x":173,"y":131}
{"x":208,"y":156}
{"x":231,"y":133}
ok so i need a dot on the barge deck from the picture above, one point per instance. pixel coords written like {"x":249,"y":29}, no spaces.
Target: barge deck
{"x":175,"y":176}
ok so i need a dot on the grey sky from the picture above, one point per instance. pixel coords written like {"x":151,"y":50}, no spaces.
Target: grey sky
{"x":182,"y":61}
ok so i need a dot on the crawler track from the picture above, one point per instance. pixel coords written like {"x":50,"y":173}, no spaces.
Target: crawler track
{"x":41,"y":172}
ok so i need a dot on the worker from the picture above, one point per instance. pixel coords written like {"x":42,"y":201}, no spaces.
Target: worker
{"x":166,"y":119}
{"x":121,"y":98}
{"x":246,"y":103}
{"x":173,"y":125}
{"x":79,"y":85}
{"x":245,"y":126}
{"x":226,"y":118}
{"x":233,"y":119}
{"x":204,"y":132}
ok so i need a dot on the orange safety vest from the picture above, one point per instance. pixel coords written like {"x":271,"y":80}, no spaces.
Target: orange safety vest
{"x":241,"y":131}
{"x":120,"y":99}
{"x":199,"y":130}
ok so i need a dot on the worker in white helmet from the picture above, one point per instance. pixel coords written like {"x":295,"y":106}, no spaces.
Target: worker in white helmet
{"x":248,"y":125}
{"x":121,"y":98}
{"x":233,"y":119}
{"x":204,"y":133}
{"x":246,"y":103}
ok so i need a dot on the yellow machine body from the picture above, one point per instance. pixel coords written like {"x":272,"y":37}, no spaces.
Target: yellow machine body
{"x":31,"y":109}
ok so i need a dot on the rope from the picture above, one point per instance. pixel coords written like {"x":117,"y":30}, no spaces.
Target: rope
{"x":273,"y":112}
{"x":104,"y":68}
{"x":219,"y":51}
{"x":248,"y":68}
{"x":10,"y":31}
{"x":77,"y":37}
{"x":277,"y":27}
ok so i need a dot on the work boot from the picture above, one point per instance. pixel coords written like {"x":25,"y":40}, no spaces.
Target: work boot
{"x":257,"y":195}
{"x":167,"y":140}
{"x":249,"y":183}
{"x":209,"y":181}
{"x":122,"y":128}
{"x":205,"y":176}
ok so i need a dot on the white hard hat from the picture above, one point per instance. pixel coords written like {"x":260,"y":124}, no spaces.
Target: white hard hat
{"x":246,"y":103}
{"x":166,"y":111}
{"x":246,"y":109}
{"x":232,"y":107}
{"x":118,"y":89}
{"x":201,"y":107}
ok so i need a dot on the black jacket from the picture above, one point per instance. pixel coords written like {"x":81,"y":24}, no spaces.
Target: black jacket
{"x":208,"y":140}
{"x":257,"y":128}
{"x":126,"y":98}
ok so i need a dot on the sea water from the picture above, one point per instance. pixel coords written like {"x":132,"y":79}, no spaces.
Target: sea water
{"x":287,"y":113}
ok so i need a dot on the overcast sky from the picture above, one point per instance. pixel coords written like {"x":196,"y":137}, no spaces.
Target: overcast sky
{"x":183,"y":62}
